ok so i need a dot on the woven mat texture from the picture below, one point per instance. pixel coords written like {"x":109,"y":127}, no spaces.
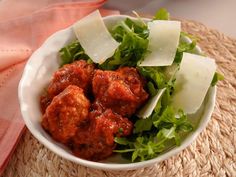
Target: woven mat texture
{"x":212,"y":154}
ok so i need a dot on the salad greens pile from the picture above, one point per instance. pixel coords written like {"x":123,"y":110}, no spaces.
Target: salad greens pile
{"x":72,"y":52}
{"x":164,"y":127}
{"x":133,"y":38}
{"x":154,"y":134}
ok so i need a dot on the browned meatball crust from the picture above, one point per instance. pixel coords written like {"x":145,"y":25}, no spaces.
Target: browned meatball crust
{"x":121,"y":90}
{"x":97,"y":142}
{"x":78,"y":73}
{"x":67,"y":113}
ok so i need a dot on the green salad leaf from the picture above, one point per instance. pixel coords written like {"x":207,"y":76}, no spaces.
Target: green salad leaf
{"x":162,"y":14}
{"x":142,"y":125}
{"x":154,"y":135}
{"x":184,"y":46}
{"x":133,"y":38}
{"x":122,"y":141}
{"x":72,"y":52}
{"x":158,"y":78}
{"x":154,"y":75}
{"x":217,"y":77}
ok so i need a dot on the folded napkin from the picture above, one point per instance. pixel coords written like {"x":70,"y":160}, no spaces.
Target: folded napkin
{"x":20,"y":35}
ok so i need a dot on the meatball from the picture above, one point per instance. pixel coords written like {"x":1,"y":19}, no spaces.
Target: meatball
{"x":98,"y":141}
{"x":78,"y":73}
{"x":67,"y":113}
{"x":44,"y":102}
{"x":121,"y":90}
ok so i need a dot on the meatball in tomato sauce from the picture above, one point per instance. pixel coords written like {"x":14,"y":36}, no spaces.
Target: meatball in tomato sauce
{"x":78,"y":73}
{"x":121,"y":90}
{"x":97,"y":142}
{"x":67,"y":114}
{"x":89,"y":131}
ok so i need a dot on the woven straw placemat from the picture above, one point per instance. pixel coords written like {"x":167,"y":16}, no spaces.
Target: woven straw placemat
{"x":212,"y":154}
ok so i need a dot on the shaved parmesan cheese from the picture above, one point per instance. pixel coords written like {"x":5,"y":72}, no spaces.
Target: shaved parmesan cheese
{"x":192,"y":82}
{"x":147,"y":109}
{"x":163,"y":42}
{"x":95,"y":38}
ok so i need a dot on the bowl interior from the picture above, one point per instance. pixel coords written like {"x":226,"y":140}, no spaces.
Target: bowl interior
{"x":37,"y":74}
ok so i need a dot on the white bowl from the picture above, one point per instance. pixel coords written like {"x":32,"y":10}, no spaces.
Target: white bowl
{"x":37,"y":74}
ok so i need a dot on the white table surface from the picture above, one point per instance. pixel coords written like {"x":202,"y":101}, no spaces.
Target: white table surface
{"x":217,"y":14}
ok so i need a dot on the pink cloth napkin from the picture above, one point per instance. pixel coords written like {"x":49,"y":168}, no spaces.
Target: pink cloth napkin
{"x":20,"y":34}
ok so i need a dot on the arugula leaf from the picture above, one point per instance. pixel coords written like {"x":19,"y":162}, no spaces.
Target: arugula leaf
{"x":184,"y":47}
{"x":182,"y":123}
{"x":166,"y":98}
{"x":177,"y":139}
{"x":121,"y":140}
{"x":167,"y":116}
{"x":217,"y":77}
{"x":143,"y":125}
{"x":151,"y":89}
{"x":164,"y":134}
{"x":133,"y":37}
{"x":154,"y":75}
{"x":123,"y":150}
{"x":138,"y":27}
{"x":134,"y":155}
{"x":162,"y":14}
{"x":72,"y":52}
